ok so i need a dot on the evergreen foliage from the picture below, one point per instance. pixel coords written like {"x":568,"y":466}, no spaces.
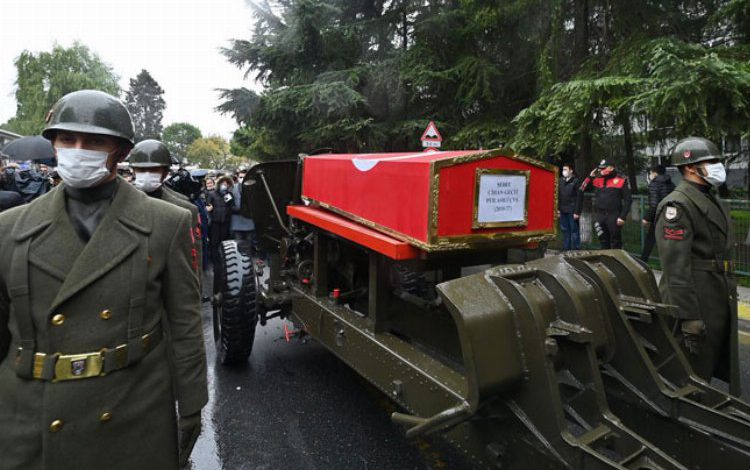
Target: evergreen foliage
{"x":44,"y":77}
{"x":145,"y":101}
{"x":557,"y":79}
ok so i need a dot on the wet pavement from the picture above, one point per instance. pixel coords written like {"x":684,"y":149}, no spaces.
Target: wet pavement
{"x":296,"y":406}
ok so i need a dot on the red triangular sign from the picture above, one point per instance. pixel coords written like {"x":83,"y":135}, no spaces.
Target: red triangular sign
{"x":431,"y":134}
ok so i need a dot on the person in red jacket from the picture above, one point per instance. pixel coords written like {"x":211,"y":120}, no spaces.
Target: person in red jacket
{"x":611,"y":203}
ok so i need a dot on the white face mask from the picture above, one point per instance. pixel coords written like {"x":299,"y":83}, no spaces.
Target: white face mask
{"x":81,"y":168}
{"x":147,"y":181}
{"x":716,"y":174}
{"x":566,"y":173}
{"x":223,"y":187}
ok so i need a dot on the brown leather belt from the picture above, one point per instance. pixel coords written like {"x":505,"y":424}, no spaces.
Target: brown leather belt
{"x":59,"y":367}
{"x":712,"y":265}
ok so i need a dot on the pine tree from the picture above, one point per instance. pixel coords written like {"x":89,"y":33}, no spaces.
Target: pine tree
{"x":146,"y":104}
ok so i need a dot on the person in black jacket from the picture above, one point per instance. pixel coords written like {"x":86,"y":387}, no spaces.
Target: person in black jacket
{"x":659,"y":186}
{"x":219,"y":203}
{"x":569,"y":203}
{"x":611,"y":203}
{"x":10,"y":199}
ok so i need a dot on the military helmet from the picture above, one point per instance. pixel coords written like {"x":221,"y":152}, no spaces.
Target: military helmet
{"x":693,"y":150}
{"x":90,"y":111}
{"x":149,"y":154}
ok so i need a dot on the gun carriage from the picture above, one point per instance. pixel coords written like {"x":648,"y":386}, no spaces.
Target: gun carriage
{"x":426,"y":273}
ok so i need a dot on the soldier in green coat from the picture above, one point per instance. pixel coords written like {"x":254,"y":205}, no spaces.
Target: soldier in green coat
{"x":91,"y":275}
{"x":150,"y":161}
{"x":694,"y":236}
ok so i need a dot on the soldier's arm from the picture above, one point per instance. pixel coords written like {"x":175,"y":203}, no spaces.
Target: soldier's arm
{"x":585,"y":186}
{"x":4,"y":318}
{"x":674,"y":239}
{"x":198,"y":240}
{"x":182,"y":303}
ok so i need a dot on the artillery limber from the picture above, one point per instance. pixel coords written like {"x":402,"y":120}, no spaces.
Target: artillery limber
{"x":426,"y":273}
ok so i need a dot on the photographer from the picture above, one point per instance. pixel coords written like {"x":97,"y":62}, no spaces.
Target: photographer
{"x":611,"y":203}
{"x":219,"y":204}
{"x":26,"y":179}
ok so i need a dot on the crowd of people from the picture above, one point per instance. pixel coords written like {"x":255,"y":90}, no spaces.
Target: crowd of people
{"x":215,"y":194}
{"x":612,"y":203}
{"x":21,"y":182}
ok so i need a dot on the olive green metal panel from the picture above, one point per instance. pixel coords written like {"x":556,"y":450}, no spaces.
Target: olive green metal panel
{"x":415,"y":380}
{"x":545,"y":349}
{"x":266,"y":191}
{"x":529,"y":389}
{"x":492,"y":350}
{"x":563,"y":396}
{"x":649,"y":381}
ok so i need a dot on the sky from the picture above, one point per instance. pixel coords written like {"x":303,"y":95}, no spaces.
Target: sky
{"x":177,"y":41}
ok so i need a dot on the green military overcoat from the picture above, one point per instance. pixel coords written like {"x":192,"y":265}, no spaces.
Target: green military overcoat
{"x":87,"y":296}
{"x":694,"y":237}
{"x":180,"y":200}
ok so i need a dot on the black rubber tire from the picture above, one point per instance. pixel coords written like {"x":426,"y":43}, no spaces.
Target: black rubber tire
{"x":234,"y":305}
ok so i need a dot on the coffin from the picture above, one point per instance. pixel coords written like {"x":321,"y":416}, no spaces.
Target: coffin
{"x":439,"y":200}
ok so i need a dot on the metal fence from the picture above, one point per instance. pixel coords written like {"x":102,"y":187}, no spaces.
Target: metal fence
{"x":634,"y":233}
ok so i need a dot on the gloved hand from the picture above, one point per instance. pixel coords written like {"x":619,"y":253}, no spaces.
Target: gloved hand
{"x":190,"y":429}
{"x":693,"y":332}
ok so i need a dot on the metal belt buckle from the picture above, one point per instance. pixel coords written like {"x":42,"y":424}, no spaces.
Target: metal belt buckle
{"x":38,"y":364}
{"x":78,"y":366}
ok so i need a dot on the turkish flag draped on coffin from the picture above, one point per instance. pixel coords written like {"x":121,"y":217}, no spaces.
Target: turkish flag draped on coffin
{"x":439,"y":200}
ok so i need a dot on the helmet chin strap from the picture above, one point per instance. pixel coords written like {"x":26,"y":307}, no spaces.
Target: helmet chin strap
{"x":699,"y":171}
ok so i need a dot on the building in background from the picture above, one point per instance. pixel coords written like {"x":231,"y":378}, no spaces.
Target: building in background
{"x":7,"y":136}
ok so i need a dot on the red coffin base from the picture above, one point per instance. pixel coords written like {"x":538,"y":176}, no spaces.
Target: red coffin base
{"x":376,"y":241}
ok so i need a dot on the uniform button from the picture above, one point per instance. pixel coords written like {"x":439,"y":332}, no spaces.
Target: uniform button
{"x":58,"y":319}
{"x":106,"y":416}
{"x":105,"y":315}
{"x":55,"y":425}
